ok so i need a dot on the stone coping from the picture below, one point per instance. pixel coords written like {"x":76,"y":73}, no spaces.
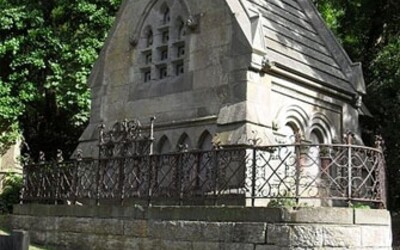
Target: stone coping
{"x":346,"y":216}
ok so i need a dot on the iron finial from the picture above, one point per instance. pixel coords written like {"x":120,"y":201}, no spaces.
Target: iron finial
{"x":348,"y":137}
{"x":379,"y":142}
{"x":42,"y":157}
{"x":79,"y":153}
{"x":102,"y":127}
{"x":60,"y":157}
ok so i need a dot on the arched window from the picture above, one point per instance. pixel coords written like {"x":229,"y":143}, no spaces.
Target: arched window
{"x":163,"y":49}
{"x":149,"y":38}
{"x":181,"y":29}
{"x":205,"y":142}
{"x":166,"y":16}
{"x":164,"y":146}
{"x":184,"y":143}
{"x":316,"y":137}
{"x":289,"y":133}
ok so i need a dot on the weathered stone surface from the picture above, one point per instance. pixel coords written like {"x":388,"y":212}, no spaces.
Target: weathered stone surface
{"x":341,"y":236}
{"x":123,"y":231}
{"x":35,"y":223}
{"x":191,"y":231}
{"x":250,"y":233}
{"x":221,"y":246}
{"x":376,"y":236}
{"x":306,"y":236}
{"x":93,"y":226}
{"x":269,"y":247}
{"x":323,"y":215}
{"x":136,"y":228}
{"x":278,"y":234}
{"x":244,"y":35}
{"x":371,"y":217}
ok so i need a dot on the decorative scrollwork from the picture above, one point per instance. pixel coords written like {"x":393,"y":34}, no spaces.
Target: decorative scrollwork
{"x":301,"y":173}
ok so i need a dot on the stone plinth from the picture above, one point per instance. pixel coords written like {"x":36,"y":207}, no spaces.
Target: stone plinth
{"x":112,"y":227}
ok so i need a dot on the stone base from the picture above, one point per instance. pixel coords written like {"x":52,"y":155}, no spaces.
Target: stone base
{"x":112,"y":227}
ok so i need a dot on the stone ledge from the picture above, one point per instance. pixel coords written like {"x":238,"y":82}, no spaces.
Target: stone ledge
{"x":371,"y":217}
{"x":217,"y":214}
{"x":323,"y":215}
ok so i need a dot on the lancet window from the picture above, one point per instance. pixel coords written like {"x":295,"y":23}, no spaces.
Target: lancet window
{"x":163,"y":51}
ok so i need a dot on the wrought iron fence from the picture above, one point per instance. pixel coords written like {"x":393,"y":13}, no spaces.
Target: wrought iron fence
{"x":299,"y":174}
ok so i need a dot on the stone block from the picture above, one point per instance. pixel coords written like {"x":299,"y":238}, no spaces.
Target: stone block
{"x":372,"y":217}
{"x":376,"y":236}
{"x":205,"y":246}
{"x":323,"y":215}
{"x":250,"y":233}
{"x":174,"y":245}
{"x":278,"y":234}
{"x":221,"y":246}
{"x":218,"y":231}
{"x":191,"y":231}
{"x":270,"y":247}
{"x":91,"y":225}
{"x":306,"y":236}
{"x":341,"y":236}
{"x":136,"y":228}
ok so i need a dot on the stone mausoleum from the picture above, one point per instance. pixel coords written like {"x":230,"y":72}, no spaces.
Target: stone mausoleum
{"x":267,"y":84}
{"x":225,"y":72}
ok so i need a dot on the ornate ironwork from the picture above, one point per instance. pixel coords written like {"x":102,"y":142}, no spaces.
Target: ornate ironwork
{"x":127,"y":171}
{"x":316,"y":175}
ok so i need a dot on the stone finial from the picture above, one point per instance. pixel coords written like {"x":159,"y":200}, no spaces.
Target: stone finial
{"x":267,"y":63}
{"x":183,"y":147}
{"x":256,"y":140}
{"x":216,"y":141}
{"x":192,"y":22}
{"x":358,"y":101}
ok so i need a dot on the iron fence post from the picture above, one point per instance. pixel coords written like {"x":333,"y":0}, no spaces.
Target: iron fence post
{"x":153,"y":162}
{"x":75,"y":181}
{"x":121,"y":180}
{"x":152,"y":119}
{"x":381,"y":171}
{"x":298,"y":164}
{"x":348,"y":139}
{"x":253,"y":176}
{"x":55,"y":180}
{"x":215,"y":174}
{"x":24,"y":183}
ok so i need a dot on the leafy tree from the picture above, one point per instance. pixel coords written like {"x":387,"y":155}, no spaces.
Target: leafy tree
{"x":47,"y":49}
{"x":370,"y":32}
{"x":11,"y":192}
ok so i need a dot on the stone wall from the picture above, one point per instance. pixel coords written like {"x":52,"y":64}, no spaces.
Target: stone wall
{"x":111,"y":227}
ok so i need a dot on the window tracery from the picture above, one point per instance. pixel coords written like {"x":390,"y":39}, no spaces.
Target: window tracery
{"x":163,"y":51}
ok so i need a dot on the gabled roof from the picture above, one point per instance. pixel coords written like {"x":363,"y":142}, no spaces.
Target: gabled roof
{"x":296,"y":39}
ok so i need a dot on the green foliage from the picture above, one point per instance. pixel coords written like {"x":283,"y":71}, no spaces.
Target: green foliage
{"x":360,"y":206}
{"x":12,"y":186}
{"x":283,"y":203}
{"x":47,"y":50}
{"x":370,"y":32}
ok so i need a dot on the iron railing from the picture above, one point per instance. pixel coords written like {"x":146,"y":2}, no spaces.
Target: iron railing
{"x":297,"y":174}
